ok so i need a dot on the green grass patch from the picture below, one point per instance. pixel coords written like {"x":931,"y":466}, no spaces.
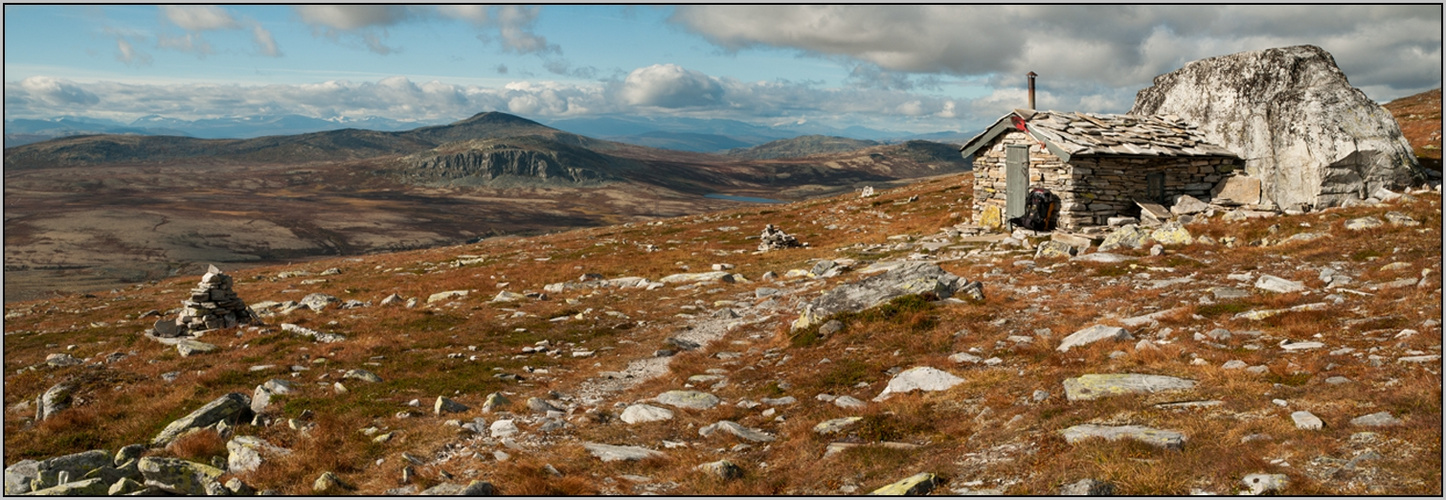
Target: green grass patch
{"x":1293,"y":380}
{"x":844,"y":374}
{"x":1222,"y":308}
{"x":1364,"y":255}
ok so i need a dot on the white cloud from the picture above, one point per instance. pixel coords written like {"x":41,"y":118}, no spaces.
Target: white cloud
{"x":670,"y":86}
{"x":1396,"y":47}
{"x":55,"y":91}
{"x":512,"y":25}
{"x":352,"y":17}
{"x":265,"y":43}
{"x":199,"y":17}
{"x":130,"y":55}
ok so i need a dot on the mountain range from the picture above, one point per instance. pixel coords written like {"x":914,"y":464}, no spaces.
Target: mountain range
{"x":678,"y":133}
{"x":96,"y":210}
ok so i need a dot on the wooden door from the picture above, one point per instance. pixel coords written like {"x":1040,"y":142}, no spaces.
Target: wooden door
{"x":1016,"y":180}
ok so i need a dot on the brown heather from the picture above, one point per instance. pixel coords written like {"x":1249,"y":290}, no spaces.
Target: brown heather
{"x":969,"y":436}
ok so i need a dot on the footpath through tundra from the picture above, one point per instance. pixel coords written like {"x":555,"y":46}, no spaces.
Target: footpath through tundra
{"x":893,"y":353}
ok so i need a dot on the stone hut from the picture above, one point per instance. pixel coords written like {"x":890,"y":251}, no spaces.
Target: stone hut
{"x":1099,"y":166}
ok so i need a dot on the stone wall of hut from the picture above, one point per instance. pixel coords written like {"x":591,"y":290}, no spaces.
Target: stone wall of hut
{"x":1093,"y":188}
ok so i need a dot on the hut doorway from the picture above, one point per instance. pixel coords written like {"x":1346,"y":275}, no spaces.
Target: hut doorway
{"x":1016,"y":180}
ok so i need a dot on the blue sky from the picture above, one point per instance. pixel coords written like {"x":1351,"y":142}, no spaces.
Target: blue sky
{"x":905,"y":68}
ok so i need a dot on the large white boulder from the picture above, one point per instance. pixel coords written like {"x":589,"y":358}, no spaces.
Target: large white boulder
{"x":1302,"y":129}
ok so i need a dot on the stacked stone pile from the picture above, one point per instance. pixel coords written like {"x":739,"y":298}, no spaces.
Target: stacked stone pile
{"x":213,"y":304}
{"x":774,"y":238}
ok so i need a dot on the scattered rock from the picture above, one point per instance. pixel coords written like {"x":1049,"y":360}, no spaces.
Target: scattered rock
{"x":362,"y":375}
{"x":55,"y":399}
{"x":921,"y":378}
{"x":178,"y":476}
{"x":1362,"y":223}
{"x":1094,"y":386}
{"x":1173,"y":234}
{"x":61,"y":360}
{"x":611,"y":453}
{"x":504,"y":428}
{"x":722,"y":469}
{"x":187,"y":347}
{"x":245,"y":453}
{"x":1278,"y":285}
{"x":478,"y":489}
{"x":639,"y":413}
{"x":1103,"y":257}
{"x":836,"y":425}
{"x":1306,"y":420}
{"x":85,"y":487}
{"x":917,"y":484}
{"x":1088,"y":487}
{"x":231,"y":408}
{"x":915,"y":278}
{"x":446,"y":405}
{"x":1378,"y":419}
{"x":325,"y":338}
{"x":1054,"y":249}
{"x":1093,"y":334}
{"x":735,"y":429}
{"x":537,"y":405}
{"x":1260,"y":483}
{"x":964,"y":357}
{"x":448,"y":295}
{"x":494,"y":402}
{"x":688,"y":399}
{"x":1400,"y":219}
{"x":329,"y":483}
{"x":318,"y":301}
{"x":1128,"y":236}
{"x":1155,"y":437}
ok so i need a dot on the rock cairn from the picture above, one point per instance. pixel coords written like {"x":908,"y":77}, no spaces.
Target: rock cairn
{"x":213,"y":304}
{"x":774,"y":238}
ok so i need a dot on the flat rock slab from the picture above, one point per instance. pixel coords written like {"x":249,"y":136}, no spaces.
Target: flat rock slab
{"x":612,"y":453}
{"x":909,"y":279}
{"x":1379,"y":419}
{"x":688,"y":399}
{"x":1169,"y":440}
{"x":232,"y":407}
{"x":917,"y":484}
{"x":836,"y":425}
{"x":448,"y":295}
{"x":1094,"y":386}
{"x":921,"y":378}
{"x":1306,"y":420}
{"x":723,"y":276}
{"x":1104,"y":258}
{"x":639,"y":413}
{"x":735,"y":429}
{"x":1278,"y":285}
{"x":187,"y":347}
{"x":1093,"y":334}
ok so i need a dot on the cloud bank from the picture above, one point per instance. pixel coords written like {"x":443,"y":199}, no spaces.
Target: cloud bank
{"x":1387,"y":50}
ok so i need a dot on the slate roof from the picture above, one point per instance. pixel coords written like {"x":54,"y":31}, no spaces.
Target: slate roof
{"x":1069,"y":134}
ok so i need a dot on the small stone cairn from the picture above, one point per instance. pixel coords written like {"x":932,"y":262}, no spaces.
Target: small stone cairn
{"x":774,"y":239}
{"x":213,"y":304}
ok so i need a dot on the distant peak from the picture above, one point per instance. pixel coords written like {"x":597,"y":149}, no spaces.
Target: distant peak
{"x":498,"y":117}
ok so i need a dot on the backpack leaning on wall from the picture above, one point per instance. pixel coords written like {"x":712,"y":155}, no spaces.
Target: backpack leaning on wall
{"x":1040,"y":209}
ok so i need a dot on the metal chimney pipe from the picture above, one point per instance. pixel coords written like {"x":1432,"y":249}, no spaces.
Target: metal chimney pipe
{"x":1031,"y":76}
